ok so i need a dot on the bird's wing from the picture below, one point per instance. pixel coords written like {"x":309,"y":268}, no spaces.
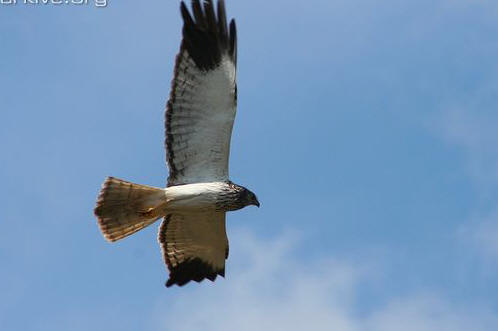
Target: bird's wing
{"x":194,"y":246}
{"x":202,"y":104}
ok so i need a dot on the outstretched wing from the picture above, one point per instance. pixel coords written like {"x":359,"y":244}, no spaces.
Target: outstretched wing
{"x":194,"y":246}
{"x":202,"y":104}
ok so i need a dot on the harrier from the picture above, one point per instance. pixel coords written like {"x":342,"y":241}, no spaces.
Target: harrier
{"x":199,"y":120}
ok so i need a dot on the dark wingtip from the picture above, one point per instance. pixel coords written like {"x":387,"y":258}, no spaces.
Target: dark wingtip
{"x":233,"y":40}
{"x":195,"y":270}
{"x":205,"y":34}
{"x":187,"y":19}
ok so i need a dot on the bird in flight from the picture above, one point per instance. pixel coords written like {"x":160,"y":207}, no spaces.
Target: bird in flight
{"x":199,"y":120}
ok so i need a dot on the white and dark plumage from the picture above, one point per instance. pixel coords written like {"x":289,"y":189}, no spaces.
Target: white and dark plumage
{"x":199,"y":120}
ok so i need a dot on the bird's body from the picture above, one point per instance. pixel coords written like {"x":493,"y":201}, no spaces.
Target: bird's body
{"x":199,"y":196}
{"x":199,"y":121}
{"x":214,"y":196}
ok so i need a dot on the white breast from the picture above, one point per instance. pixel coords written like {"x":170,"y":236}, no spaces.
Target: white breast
{"x":191,"y":197}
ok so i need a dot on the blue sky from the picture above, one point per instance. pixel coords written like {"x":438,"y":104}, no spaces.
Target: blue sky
{"x":367,"y":130}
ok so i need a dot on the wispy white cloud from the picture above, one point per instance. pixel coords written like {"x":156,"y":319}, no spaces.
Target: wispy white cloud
{"x":271,"y":288}
{"x":426,"y":313}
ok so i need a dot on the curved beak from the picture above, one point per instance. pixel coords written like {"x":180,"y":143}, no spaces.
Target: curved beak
{"x":255,"y":201}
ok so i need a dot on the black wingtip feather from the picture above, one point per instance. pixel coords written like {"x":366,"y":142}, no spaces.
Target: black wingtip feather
{"x":211,"y":17}
{"x":200,"y":19}
{"x":205,"y":34}
{"x":194,"y":269}
{"x":187,"y":19}
{"x":233,"y":40}
{"x":222,"y":23}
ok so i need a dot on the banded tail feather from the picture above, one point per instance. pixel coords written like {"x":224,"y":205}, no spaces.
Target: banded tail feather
{"x":124,"y":208}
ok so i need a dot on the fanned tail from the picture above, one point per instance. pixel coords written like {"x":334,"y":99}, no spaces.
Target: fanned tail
{"x":124,"y":208}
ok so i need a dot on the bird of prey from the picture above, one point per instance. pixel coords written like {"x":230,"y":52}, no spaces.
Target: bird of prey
{"x":199,"y":120}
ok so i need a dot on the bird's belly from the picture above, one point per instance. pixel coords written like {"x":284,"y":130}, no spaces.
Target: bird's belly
{"x":191,"y":203}
{"x":192,"y":197}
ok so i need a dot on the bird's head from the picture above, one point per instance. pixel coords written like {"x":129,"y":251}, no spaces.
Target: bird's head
{"x":250,"y":198}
